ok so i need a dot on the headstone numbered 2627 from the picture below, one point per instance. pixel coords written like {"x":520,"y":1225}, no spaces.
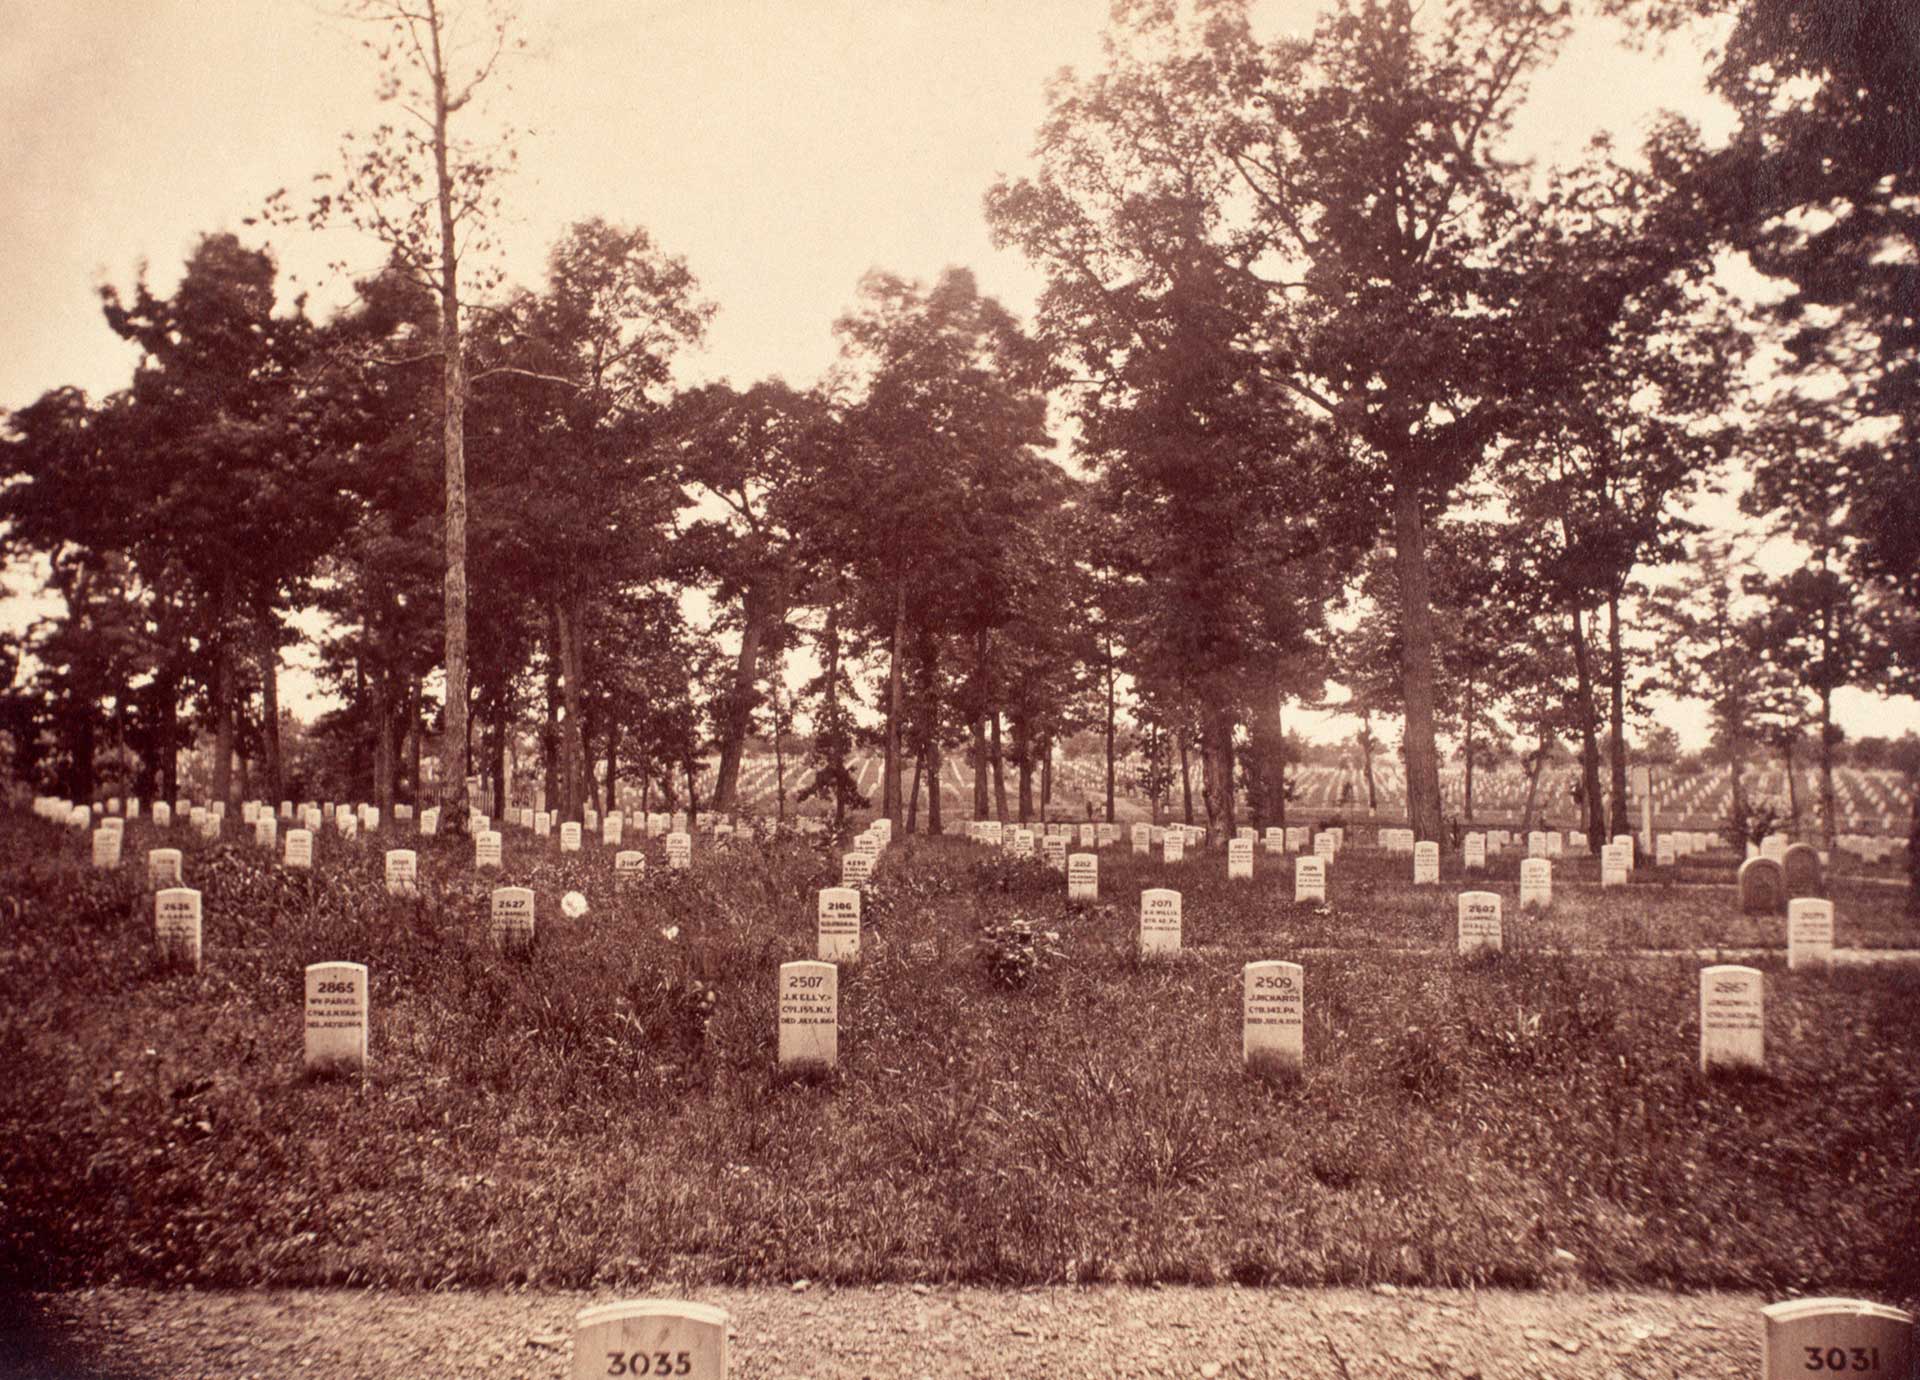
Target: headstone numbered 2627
{"x":650,"y":1338}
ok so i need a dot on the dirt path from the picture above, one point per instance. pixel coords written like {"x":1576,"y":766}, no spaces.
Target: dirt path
{"x":900,"y":1331}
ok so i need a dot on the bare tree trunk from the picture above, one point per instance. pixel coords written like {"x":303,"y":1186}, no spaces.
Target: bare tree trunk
{"x":913,"y":796}
{"x":572,"y":750}
{"x":1589,"y":740}
{"x":1112,"y":671}
{"x":1416,"y":659}
{"x":757,"y":612}
{"x":222,"y":721}
{"x":890,"y":787}
{"x":1828,"y":825}
{"x":453,"y":740}
{"x":1466,"y":811}
{"x":1023,"y":757}
{"x":935,"y":823}
{"x":417,"y":714}
{"x":270,"y":715}
{"x":1622,"y":822}
{"x":1186,"y":777}
{"x":378,"y":685}
{"x":613,"y":763}
{"x":983,"y":681}
{"x":999,"y":772}
{"x":1046,"y":775}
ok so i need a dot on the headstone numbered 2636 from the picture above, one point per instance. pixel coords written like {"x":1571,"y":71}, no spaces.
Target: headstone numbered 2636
{"x":650,"y":1338}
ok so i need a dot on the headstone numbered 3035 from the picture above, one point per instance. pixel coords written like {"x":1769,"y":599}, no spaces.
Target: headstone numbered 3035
{"x":650,"y":1338}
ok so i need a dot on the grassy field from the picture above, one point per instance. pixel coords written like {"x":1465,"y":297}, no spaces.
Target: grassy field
{"x":608,"y":1111}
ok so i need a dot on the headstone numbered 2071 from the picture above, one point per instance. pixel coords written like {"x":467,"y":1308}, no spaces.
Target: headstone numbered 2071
{"x":650,"y":1338}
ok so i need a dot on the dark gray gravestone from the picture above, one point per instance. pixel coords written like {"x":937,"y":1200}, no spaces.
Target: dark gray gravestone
{"x":1763,"y":887}
{"x":1801,"y":871}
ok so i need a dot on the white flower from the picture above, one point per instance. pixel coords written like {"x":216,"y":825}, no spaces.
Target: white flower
{"x":671,"y":932}
{"x":573,"y":905}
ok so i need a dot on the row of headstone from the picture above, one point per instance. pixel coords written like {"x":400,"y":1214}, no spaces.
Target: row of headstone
{"x":672,"y":1337}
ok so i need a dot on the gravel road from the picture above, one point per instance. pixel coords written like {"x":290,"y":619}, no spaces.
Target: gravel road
{"x":815,"y":1333}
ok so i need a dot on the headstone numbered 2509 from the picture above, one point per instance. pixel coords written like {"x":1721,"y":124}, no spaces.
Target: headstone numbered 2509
{"x":650,"y":1338}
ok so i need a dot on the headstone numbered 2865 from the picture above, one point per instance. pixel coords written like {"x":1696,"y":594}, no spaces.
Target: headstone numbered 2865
{"x":337,"y":1013}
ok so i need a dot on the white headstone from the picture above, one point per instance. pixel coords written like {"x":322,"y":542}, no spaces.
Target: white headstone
{"x":176,"y":925}
{"x":1173,"y":848}
{"x":512,"y":918}
{"x":1273,"y":1016}
{"x":162,"y":815}
{"x":1831,"y":1336}
{"x":570,"y":837}
{"x":337,"y":1015}
{"x":1053,"y":849}
{"x":1298,"y":837}
{"x":1426,"y":863}
{"x":1142,"y":837}
{"x":679,"y":850}
{"x":610,"y":831}
{"x":106,"y":848}
{"x":1536,"y":883}
{"x":299,"y":848}
{"x":1083,"y":877}
{"x":1732,"y":1017}
{"x":1616,"y":861}
{"x":1159,"y":921}
{"x":629,"y":866}
{"x":809,"y":1014}
{"x":1475,"y":853}
{"x":486,"y":849}
{"x":856,"y":869}
{"x":1556,"y":843}
{"x":1240,"y":859}
{"x":1479,"y":922}
{"x":1326,"y":844}
{"x":430,"y":821}
{"x":1275,"y":839}
{"x":839,"y":924}
{"x":1626,"y":841}
{"x":163,"y":867}
{"x":1023,"y":843}
{"x":1089,"y":836}
{"x":266,"y":831}
{"x":1537,"y":844}
{"x":650,"y":1338}
{"x":1809,"y":932}
{"x":1107,"y":834}
{"x":1310,"y":878}
{"x":1774,"y":846}
{"x":542,"y":824}
{"x":403,"y":872}
{"x":249,"y":811}
{"x":884,"y":828}
{"x":1666,"y":851}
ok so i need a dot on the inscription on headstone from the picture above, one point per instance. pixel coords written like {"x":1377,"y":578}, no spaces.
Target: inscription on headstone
{"x":1809,"y":932}
{"x":486,"y":849}
{"x":512,"y":918}
{"x":839,"y":924}
{"x":1240,"y":859}
{"x":1273,"y":1016}
{"x":176,"y":925}
{"x":163,"y":867}
{"x":650,"y":1338}
{"x":1142,"y":836}
{"x":1159,"y":921}
{"x":679,"y":850}
{"x":809,"y":1015}
{"x":1310,"y":878}
{"x":1474,"y":853}
{"x":1479,"y":922}
{"x":1536,"y":883}
{"x":629,"y":866}
{"x":1615,"y":859}
{"x":106,"y":848}
{"x":299,"y":848}
{"x":1083,"y":877}
{"x":1426,"y":863}
{"x":403,"y":872}
{"x":1831,"y":1336}
{"x":1173,"y":848}
{"x":337,"y":1016}
{"x":1763,"y":888}
{"x":1732,"y":1017}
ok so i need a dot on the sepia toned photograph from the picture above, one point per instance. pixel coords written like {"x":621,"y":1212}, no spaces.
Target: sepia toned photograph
{"x":850,"y":689}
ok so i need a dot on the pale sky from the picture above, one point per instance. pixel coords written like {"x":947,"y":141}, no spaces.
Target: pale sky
{"x":783,"y":147}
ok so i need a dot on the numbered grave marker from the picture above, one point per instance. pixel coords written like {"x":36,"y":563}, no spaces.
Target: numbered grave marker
{"x":1273,"y":1017}
{"x":1326,"y":845}
{"x":1537,"y":844}
{"x":430,"y":821}
{"x":1083,"y":877}
{"x":299,"y":848}
{"x":649,"y":1339}
{"x":1763,"y":887}
{"x":1536,"y":883}
{"x":570,"y":837}
{"x":1298,"y":837}
{"x":809,"y":1015}
{"x":610,"y":831}
{"x":1054,"y":851}
{"x":856,"y":869}
{"x":486,"y":849}
{"x":1836,"y":1336}
{"x":403,"y":872}
{"x":511,"y":918}
{"x":1274,"y":840}
{"x":106,"y":848}
{"x":1310,"y":878}
{"x":629,"y":866}
{"x":1616,"y":863}
{"x":1023,"y":843}
{"x":1479,"y":922}
{"x":1809,"y":932}
{"x":337,"y":1016}
{"x":1732,"y":1017}
{"x":1426,"y":863}
{"x":1159,"y":921}
{"x":176,"y":925}
{"x":1474,"y":855}
{"x":163,"y":867}
{"x":1173,"y":848}
{"x":838,"y":925}
{"x":1240,"y":859}
{"x":1142,"y":837}
{"x":162,"y":815}
{"x":680,"y":850}
{"x":542,"y":824}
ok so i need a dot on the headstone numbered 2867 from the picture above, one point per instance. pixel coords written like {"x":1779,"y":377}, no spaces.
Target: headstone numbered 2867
{"x":650,"y":1338}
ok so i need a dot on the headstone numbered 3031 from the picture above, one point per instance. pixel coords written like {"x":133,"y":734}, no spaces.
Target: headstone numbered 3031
{"x":1837,"y":1336}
